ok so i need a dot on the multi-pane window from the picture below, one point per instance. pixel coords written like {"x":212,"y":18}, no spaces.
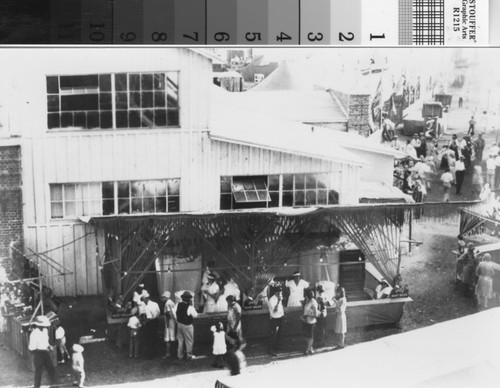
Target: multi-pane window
{"x":103,"y":101}
{"x":70,"y":200}
{"x":275,"y":190}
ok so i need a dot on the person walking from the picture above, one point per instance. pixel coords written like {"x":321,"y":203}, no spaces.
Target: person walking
{"x":341,"y":319}
{"x":479,"y":145}
{"x":490,"y":171}
{"x":185,"y":314}
{"x":446,"y":178}
{"x":276,"y":314}
{"x":78,"y":365}
{"x":60,"y":335}
{"x":472,"y":125}
{"x":484,"y":286}
{"x":459,"y":174}
{"x":41,"y":349}
{"x":219,"y":348}
{"x":134,"y":325}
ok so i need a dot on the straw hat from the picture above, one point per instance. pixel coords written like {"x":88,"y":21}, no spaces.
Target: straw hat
{"x":166,"y":294}
{"x":77,"y":348}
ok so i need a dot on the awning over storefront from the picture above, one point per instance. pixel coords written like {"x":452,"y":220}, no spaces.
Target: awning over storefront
{"x":255,"y":243}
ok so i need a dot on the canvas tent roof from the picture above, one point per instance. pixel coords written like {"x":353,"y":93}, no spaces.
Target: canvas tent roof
{"x":458,"y":353}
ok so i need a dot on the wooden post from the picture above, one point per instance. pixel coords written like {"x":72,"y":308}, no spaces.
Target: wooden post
{"x":409,"y":231}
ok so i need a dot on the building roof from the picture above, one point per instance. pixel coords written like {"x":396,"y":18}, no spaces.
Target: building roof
{"x":232,"y":121}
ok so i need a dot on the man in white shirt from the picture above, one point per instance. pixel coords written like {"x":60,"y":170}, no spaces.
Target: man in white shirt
{"x":150,"y":328}
{"x":40,"y":348}
{"x":459,"y":174}
{"x":446,"y":178}
{"x":276,"y":314}
{"x":296,"y":286}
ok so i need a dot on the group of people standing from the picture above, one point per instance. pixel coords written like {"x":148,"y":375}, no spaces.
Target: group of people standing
{"x":476,"y":274}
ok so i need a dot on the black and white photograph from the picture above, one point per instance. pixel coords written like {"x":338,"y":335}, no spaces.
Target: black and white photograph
{"x":249,"y":217}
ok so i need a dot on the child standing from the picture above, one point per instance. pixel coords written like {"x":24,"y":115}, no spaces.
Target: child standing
{"x":60,"y":335}
{"x":77,"y":365}
{"x":134,"y":325}
{"x":219,"y":349}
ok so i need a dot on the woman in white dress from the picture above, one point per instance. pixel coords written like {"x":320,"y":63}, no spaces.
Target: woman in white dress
{"x":341,"y":320}
{"x":484,"y":285}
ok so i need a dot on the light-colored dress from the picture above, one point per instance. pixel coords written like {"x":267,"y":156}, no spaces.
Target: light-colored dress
{"x":484,"y":286}
{"x":341,"y":320}
{"x":169,"y":321}
{"x":211,"y":303}
{"x":219,"y":343}
{"x":296,"y":292}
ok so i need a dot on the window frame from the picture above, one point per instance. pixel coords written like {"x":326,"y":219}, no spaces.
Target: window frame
{"x":108,"y":114}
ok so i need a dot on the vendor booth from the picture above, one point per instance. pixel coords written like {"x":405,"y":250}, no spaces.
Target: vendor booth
{"x":354,"y":246}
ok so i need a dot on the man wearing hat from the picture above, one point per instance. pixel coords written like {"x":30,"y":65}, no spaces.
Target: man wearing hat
{"x":168,"y":312}
{"x":276,"y":314}
{"x":185,"y":314}
{"x":150,"y":328}
{"x":296,"y":287}
{"x":40,"y":348}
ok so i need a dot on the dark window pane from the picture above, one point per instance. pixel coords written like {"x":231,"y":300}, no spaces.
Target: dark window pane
{"x":80,"y":102}
{"x":225,"y":184}
{"x":137,"y":205}
{"x":274,"y":182}
{"x":134,"y":119}
{"x":274,"y":199}
{"x":121,"y":101}
{"x":310,"y":181}
{"x":172,"y":90}
{"x":53,"y":120}
{"x":106,"y":120}
{"x":53,"y":103}
{"x":239,"y":196}
{"x":299,"y":198}
{"x":260,"y":184}
{"x":161,"y":188}
{"x":80,"y":120}
{"x":108,"y":207}
{"x":147,"y":81}
{"x":160,"y":118}
{"x":299,"y":181}
{"x":311,"y":197}
{"x":122,"y":119}
{"x":147,"y":118}
{"x":333,"y":197}
{"x":134,"y":100}
{"x":121,"y":82}
{"x":173,"y":186}
{"x":149,"y":205}
{"x":322,"y":195}
{"x":159,"y":81}
{"x":108,"y":190}
{"x":123,"y":206}
{"x":161,"y":205}
{"x":173,"y":118}
{"x":105,"y":82}
{"x":134,"y":82}
{"x":159,"y":99}
{"x":173,"y":204}
{"x":147,"y":100}
{"x":287,"y":181}
{"x":105,"y":101}
{"x":263,"y":195}
{"x":248,"y":184}
{"x":52,"y":85}
{"x":66,"y":120}
{"x":123,"y":189}
{"x":252,"y":196}
{"x":79,"y":81}
{"x":92,"y":120}
{"x":287,"y":198}
{"x":225,"y":202}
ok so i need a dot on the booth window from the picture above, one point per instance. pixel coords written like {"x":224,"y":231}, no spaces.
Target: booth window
{"x":244,"y":192}
{"x":106,"y":101}
{"x":69,"y":200}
